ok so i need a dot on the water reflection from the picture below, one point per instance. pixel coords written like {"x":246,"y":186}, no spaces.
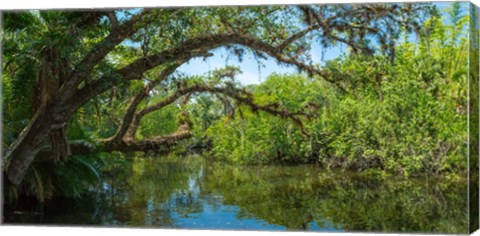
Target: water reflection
{"x":193,"y":192}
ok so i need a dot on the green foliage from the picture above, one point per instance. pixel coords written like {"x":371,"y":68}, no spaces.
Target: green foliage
{"x":161,"y":122}
{"x":408,"y":117}
{"x":257,"y":137}
{"x":401,"y":127}
{"x":70,"y":179}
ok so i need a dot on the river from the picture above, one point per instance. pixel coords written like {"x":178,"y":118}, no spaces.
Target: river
{"x":197,"y":193}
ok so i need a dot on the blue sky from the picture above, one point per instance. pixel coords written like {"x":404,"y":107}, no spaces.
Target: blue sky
{"x":252,"y":74}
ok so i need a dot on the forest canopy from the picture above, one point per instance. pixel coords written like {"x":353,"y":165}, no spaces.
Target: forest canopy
{"x":83,"y":88}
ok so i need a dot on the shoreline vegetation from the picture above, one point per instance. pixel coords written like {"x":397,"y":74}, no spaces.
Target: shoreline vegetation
{"x":79,"y":103}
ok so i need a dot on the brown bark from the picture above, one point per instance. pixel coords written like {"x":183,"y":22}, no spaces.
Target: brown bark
{"x":152,"y":144}
{"x":98,"y":53}
{"x":59,"y":143}
{"x":22,"y":153}
{"x":46,"y":126}
{"x":135,"y":101}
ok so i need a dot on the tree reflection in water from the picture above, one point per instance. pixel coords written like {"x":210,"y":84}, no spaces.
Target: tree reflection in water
{"x":194,"y":192}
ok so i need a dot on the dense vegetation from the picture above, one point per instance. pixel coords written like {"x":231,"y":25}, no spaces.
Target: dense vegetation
{"x":389,"y":117}
{"x":76,"y":98}
{"x":407,"y":118}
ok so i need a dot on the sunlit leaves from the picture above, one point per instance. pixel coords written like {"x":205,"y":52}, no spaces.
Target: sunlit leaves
{"x":408,"y":117}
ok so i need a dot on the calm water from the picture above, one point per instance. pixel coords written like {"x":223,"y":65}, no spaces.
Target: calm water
{"x":195,"y":193}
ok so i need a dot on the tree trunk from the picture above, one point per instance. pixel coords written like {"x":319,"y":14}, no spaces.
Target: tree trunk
{"x":23,"y":152}
{"x":30,"y":142}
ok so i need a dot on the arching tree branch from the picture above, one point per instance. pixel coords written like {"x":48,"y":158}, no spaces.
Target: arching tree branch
{"x":188,"y":49}
{"x":239,"y":95}
{"x":135,"y":101}
{"x":98,"y":53}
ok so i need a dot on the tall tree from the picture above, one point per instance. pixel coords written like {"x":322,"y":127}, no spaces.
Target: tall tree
{"x":65,"y":60}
